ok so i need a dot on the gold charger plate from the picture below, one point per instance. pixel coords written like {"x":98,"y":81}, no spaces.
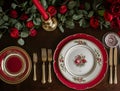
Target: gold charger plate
{"x":15,"y":65}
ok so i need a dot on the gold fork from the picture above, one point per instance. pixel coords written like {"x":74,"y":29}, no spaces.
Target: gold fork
{"x":44,"y":59}
{"x":49,"y":65}
{"x":35,"y":60}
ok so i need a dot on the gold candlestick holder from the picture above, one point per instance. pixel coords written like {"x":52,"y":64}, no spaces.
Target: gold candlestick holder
{"x":50,"y":24}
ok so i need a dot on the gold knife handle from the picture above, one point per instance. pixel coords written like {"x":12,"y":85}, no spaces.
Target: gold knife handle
{"x":43,"y":73}
{"x":49,"y":73}
{"x":115,"y":75}
{"x":34,"y":75}
{"x":111,"y":75}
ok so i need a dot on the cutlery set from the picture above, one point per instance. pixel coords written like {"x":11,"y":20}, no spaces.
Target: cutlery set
{"x":46,"y":55}
{"x":113,"y":62}
{"x":111,"y":40}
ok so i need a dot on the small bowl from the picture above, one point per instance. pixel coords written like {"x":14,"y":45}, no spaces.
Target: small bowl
{"x":13,"y":65}
{"x":111,"y":39}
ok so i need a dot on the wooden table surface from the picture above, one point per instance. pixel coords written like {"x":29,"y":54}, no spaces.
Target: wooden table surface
{"x":50,"y":40}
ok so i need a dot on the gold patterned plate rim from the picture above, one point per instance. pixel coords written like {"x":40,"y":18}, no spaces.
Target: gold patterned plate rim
{"x":26,"y":60}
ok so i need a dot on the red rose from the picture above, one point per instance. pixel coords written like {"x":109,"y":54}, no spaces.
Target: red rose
{"x":33,"y":32}
{"x":115,"y":8}
{"x":24,"y":17}
{"x":13,"y":14}
{"x":63,"y":9}
{"x":94,"y":22}
{"x":115,"y":23}
{"x":108,"y":16}
{"x":14,"y":32}
{"x":29,"y":24}
{"x":51,"y":10}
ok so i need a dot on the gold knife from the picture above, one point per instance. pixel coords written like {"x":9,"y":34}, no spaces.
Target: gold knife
{"x":111,"y":65}
{"x":115,"y":65}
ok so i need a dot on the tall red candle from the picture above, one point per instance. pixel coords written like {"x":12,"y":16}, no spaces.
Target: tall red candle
{"x":41,"y":9}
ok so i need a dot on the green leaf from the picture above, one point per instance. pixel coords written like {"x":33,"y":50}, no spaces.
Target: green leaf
{"x":24,"y":4}
{"x":77,"y":17}
{"x":91,"y":13}
{"x":44,"y":3}
{"x":13,"y":5}
{"x":107,"y":22}
{"x":53,"y":2}
{"x":1,"y":9}
{"x":101,"y":12}
{"x":12,"y":21}
{"x":70,"y":24}
{"x":37,"y":21}
{"x":87,"y":6}
{"x":83,"y":23}
{"x":58,"y":15}
{"x":61,"y":28}
{"x":63,"y":18}
{"x":3,"y":27}
{"x":71,"y":12}
{"x":72,"y":4}
{"x":21,"y":42}
{"x":32,"y":9}
{"x":5,"y":18}
{"x":1,"y":21}
{"x":1,"y":35}
{"x":18,"y":25}
{"x":24,"y":34}
{"x":84,"y":12}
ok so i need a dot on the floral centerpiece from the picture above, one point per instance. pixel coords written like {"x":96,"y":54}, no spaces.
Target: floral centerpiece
{"x":22,"y":19}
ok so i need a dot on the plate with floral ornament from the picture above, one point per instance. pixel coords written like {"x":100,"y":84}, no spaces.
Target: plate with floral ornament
{"x":80,"y":61}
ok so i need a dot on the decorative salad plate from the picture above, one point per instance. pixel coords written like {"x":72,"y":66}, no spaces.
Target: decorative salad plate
{"x":15,"y":65}
{"x":80,"y":61}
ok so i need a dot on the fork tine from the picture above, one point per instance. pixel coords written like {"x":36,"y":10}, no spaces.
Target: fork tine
{"x":49,"y":54}
{"x":43,"y":54}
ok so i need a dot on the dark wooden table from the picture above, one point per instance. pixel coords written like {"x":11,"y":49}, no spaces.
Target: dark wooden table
{"x":50,"y":40}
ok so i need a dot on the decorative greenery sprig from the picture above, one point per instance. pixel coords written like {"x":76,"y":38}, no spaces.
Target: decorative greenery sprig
{"x":22,"y":19}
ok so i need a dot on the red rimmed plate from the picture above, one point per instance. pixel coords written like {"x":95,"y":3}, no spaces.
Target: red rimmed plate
{"x":70,"y":71}
{"x":15,"y":65}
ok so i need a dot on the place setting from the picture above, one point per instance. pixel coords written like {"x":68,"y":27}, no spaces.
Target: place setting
{"x":81,"y":61}
{"x":16,"y":65}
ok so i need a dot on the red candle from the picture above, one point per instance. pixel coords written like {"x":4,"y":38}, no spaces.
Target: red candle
{"x":41,"y":9}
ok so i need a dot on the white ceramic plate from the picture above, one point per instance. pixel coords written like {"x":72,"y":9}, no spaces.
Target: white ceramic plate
{"x":80,"y":61}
